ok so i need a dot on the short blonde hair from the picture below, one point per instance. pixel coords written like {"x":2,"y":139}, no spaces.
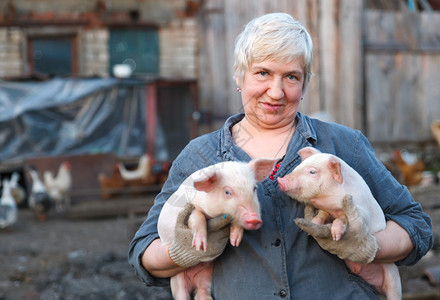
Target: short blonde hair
{"x":275,"y":36}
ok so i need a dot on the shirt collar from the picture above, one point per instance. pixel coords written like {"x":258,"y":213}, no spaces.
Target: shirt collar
{"x":305,"y":128}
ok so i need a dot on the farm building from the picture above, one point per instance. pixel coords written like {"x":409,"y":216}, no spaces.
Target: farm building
{"x":376,"y":67}
{"x":116,"y":88}
{"x":376,"y":64}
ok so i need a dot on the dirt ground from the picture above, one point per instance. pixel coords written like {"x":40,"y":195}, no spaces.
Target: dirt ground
{"x":69,"y":259}
{"x":87,"y":259}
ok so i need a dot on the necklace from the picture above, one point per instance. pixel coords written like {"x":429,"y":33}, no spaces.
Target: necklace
{"x":286,"y":139}
{"x":242,"y":141}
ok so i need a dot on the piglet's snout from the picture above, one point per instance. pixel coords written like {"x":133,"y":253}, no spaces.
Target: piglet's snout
{"x":252,"y":222}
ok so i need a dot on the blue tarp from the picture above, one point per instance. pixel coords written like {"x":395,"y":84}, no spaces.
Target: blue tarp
{"x":72,"y":116}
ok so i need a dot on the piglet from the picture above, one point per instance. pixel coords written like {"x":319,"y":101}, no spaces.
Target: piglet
{"x":323,"y":180}
{"x":226,"y":188}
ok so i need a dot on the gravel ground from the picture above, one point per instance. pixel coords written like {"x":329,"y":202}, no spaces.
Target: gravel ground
{"x":87,"y":259}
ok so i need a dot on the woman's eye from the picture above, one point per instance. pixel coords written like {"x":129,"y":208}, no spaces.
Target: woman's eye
{"x":292,"y":77}
{"x":312,"y":172}
{"x":262,"y":73}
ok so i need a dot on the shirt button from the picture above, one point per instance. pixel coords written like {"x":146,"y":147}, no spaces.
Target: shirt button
{"x":283,"y":294}
{"x":277,"y":242}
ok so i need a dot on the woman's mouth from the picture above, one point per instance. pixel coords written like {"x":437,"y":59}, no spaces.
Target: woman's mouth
{"x":271,"y":107}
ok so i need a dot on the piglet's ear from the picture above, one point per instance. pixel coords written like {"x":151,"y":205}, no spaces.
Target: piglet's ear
{"x":207,"y":183}
{"x":307,"y":152}
{"x":335,"y":169}
{"x":262,"y":167}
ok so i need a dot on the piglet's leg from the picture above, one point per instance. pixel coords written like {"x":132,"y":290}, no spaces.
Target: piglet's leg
{"x":181,"y":287}
{"x":236,"y":235}
{"x":197,"y":223}
{"x":203,"y":281}
{"x":196,"y":278}
{"x":371,"y":273}
{"x":391,"y":285}
{"x":384,"y":277}
{"x":322,"y":217}
{"x":338,"y":227}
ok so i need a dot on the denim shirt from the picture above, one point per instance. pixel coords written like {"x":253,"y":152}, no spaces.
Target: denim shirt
{"x":279,"y":260}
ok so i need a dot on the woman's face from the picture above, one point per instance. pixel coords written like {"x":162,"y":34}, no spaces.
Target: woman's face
{"x":271,"y":92}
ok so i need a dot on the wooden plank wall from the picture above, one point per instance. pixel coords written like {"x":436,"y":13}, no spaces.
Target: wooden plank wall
{"x":374,"y":71}
{"x":402,"y":75}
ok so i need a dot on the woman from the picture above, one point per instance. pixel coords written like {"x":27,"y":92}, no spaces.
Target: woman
{"x":273,"y":60}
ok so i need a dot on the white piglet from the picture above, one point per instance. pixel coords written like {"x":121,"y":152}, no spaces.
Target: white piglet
{"x":224,"y":188}
{"x":322,"y":180}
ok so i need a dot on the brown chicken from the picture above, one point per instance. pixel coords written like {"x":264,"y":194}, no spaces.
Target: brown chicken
{"x":409,"y":174}
{"x":110,"y":186}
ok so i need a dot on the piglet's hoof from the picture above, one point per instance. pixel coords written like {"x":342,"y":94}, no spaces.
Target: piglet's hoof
{"x":315,"y":230}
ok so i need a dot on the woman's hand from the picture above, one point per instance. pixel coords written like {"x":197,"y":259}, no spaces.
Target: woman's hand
{"x":184,"y":252}
{"x":357,"y":245}
{"x":168,"y":260}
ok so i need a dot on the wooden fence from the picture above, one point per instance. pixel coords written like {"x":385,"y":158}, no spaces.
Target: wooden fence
{"x":402,"y":75}
{"x":374,"y":71}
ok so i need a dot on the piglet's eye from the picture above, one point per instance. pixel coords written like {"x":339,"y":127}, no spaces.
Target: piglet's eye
{"x":255,"y":188}
{"x":228,"y":193}
{"x":312,"y":172}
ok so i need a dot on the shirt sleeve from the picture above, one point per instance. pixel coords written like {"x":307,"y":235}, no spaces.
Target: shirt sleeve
{"x":394,"y":199}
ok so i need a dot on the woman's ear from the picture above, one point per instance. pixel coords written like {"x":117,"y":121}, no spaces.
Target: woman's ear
{"x":237,"y":81}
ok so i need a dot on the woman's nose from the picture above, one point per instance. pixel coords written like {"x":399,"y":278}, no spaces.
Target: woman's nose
{"x":275,"y":90}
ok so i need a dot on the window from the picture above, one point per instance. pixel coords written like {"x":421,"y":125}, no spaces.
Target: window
{"x":137,"y":47}
{"x":52,"y":55}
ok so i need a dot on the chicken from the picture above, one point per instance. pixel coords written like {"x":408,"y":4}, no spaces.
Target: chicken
{"x":111,"y":185}
{"x":59,"y":187}
{"x":8,"y":207}
{"x":17,"y":191}
{"x":39,"y":199}
{"x":142,"y":171}
{"x":115,"y":184}
{"x":409,"y":167}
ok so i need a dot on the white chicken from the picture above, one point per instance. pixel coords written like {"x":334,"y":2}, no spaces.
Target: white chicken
{"x":17,"y":191}
{"x":39,"y":200}
{"x":142,"y":171}
{"x":8,"y":207}
{"x":59,"y":187}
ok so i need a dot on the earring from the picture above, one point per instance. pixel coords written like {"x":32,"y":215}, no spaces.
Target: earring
{"x":239,"y":90}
